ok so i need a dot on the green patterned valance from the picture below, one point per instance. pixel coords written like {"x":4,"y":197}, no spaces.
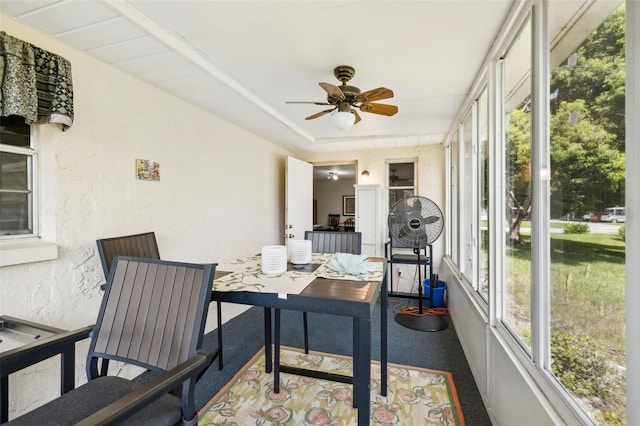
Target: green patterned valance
{"x":36,"y":84}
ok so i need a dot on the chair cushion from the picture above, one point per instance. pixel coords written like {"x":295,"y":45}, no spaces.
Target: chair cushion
{"x":96,"y":394}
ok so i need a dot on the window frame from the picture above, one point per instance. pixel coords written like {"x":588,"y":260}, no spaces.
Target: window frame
{"x":535,"y":362}
{"x":483,"y":176}
{"x":506,"y":94}
{"x":388,"y":188}
{"x":468,"y":200}
{"x":33,"y":184}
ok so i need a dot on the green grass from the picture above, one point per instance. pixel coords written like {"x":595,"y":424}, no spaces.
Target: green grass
{"x":587,"y":286}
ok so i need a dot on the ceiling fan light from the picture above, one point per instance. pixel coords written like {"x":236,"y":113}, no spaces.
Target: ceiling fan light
{"x":343,"y":120}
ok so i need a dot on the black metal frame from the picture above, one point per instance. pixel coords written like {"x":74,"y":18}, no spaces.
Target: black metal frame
{"x":181,"y":376}
{"x":423,"y":261}
{"x":62,"y":343}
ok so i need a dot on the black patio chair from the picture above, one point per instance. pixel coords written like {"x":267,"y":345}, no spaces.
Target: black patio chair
{"x":141,"y":245}
{"x":152,"y":315}
{"x":138,"y":245}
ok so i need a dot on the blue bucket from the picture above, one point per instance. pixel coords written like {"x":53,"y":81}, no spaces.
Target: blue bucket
{"x":438,"y":293}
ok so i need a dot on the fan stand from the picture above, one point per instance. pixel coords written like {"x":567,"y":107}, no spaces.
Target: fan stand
{"x":422,"y":322}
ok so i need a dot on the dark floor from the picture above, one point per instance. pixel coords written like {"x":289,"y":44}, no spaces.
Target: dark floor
{"x":243,"y":336}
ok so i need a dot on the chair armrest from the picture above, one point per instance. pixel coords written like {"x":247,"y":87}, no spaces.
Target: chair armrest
{"x":147,"y":393}
{"x":41,"y":349}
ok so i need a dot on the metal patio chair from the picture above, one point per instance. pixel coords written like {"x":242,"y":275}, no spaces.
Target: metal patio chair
{"x":153,"y":316}
{"x":141,"y":245}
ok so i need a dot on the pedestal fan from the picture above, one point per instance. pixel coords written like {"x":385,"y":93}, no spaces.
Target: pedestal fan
{"x":417,"y":222}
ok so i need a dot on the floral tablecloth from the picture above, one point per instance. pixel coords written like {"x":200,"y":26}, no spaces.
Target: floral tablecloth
{"x":246,"y":275}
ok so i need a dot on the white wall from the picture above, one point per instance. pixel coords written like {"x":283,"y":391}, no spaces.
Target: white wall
{"x":328,"y":194}
{"x":205,"y":208}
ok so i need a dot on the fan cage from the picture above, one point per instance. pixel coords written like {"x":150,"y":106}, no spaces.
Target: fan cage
{"x":415,"y":222}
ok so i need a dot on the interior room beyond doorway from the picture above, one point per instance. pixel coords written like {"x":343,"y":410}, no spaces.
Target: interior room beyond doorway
{"x":334,"y":196}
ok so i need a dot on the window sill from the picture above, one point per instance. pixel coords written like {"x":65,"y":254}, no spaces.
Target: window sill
{"x":26,"y":251}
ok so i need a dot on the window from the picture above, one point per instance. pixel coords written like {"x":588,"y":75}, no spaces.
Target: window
{"x":467,"y":208}
{"x":474,"y":197}
{"x":18,"y":161}
{"x":453,"y":196}
{"x":401,"y":181}
{"x":557,"y":164}
{"x":587,"y":153}
{"x":516,"y":92}
{"x":483,"y":195}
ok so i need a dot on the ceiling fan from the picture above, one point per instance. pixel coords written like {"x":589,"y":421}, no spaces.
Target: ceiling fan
{"x":348,"y":99}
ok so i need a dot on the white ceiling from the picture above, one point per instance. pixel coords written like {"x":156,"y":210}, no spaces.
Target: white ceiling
{"x":242,"y":60}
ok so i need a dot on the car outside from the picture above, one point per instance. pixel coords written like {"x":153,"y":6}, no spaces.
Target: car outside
{"x":592,"y":217}
{"x":613,"y":215}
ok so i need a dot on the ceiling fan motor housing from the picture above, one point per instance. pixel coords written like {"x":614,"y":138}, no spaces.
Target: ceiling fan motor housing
{"x":344,"y":73}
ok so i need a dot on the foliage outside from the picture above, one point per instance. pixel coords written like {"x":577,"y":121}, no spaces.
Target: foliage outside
{"x":582,"y":367}
{"x":587,"y":131}
{"x":576,"y":228}
{"x":588,"y":321}
{"x":587,"y":123}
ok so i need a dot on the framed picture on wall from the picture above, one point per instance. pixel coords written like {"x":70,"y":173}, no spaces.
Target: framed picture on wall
{"x":348,"y":205}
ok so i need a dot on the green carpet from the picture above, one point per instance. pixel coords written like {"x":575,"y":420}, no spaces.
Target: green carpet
{"x":416,"y":396}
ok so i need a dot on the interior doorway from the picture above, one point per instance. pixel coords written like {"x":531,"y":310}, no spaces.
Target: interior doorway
{"x":333,"y":195}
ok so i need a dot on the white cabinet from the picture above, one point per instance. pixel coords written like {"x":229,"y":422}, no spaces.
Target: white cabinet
{"x":369,"y":218}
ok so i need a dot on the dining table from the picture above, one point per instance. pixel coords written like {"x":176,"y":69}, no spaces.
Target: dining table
{"x":313,"y":287}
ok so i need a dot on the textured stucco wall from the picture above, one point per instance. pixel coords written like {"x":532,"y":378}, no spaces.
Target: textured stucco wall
{"x":220,"y":197}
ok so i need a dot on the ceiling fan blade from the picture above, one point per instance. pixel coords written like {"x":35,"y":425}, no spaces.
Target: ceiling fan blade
{"x":333,"y":91}
{"x":375,"y":95}
{"x":382,"y":109}
{"x":319,"y":114}
{"x":304,"y":102}
{"x":355,"y":112}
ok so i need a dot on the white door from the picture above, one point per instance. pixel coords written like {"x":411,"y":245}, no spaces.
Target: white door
{"x":368,"y":218}
{"x":298,"y":207}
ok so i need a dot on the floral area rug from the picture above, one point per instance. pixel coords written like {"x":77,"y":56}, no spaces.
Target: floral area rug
{"x":416,"y":396}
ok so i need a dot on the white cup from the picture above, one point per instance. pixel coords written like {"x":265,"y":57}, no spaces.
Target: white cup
{"x":274,"y":260}
{"x":300,"y":252}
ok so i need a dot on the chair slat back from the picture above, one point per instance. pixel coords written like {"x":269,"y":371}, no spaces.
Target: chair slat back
{"x":153,"y":312}
{"x":334,"y":242}
{"x":138,"y":245}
